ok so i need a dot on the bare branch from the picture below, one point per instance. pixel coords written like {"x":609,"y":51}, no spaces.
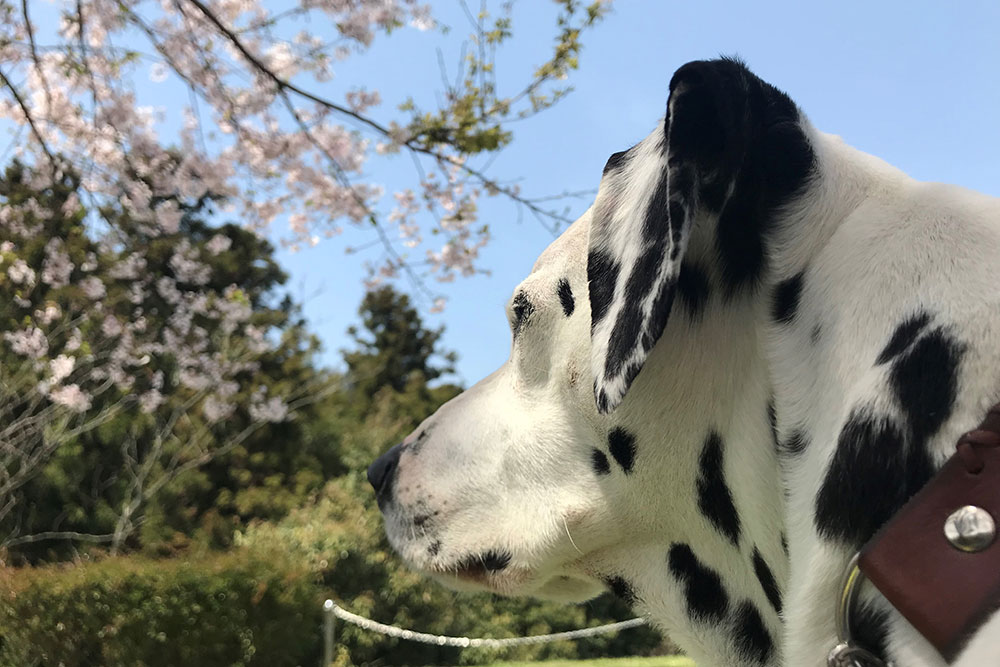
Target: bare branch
{"x":34,"y":52}
{"x":29,"y":118}
{"x":57,"y":535}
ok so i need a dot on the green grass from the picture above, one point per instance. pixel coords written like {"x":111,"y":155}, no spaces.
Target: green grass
{"x":669,"y":661}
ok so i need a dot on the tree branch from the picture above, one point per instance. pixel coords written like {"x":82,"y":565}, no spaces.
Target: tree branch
{"x":56,"y":535}
{"x":28,"y":117}
{"x":284,"y":84}
{"x":278,"y":81}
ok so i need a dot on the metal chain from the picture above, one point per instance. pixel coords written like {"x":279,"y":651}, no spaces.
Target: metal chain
{"x":331,"y":607}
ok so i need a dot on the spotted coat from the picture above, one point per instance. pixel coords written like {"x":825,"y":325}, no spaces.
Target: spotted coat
{"x":725,"y":376}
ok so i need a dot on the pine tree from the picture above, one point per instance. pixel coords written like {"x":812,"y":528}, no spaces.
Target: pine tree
{"x":395,"y":353}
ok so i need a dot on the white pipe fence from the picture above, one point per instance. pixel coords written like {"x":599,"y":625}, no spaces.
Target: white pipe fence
{"x":332,"y":611}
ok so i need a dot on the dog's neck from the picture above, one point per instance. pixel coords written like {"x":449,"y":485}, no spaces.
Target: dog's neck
{"x":715,"y":567}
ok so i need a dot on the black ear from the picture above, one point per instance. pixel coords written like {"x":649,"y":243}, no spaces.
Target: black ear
{"x":702,"y":162}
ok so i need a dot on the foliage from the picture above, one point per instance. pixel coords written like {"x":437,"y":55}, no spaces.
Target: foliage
{"x":259,"y":126}
{"x":340,"y":538}
{"x":132,"y":362}
{"x":157,"y":395}
{"x":259,"y":604}
{"x":279,"y":569}
{"x":663,"y":661}
{"x":220,"y":611}
{"x":397,"y":353}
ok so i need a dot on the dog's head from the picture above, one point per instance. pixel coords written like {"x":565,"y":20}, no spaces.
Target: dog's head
{"x":543,"y":479}
{"x":487,"y":490}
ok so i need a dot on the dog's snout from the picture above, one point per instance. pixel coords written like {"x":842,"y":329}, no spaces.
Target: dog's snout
{"x":383,"y":471}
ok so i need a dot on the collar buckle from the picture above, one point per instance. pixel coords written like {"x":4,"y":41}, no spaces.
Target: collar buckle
{"x":846,"y":653}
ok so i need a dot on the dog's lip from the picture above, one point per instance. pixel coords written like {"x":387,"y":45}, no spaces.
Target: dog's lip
{"x":480,"y":566}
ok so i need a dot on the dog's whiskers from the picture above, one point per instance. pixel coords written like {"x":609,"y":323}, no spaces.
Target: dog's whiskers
{"x":566,"y":526}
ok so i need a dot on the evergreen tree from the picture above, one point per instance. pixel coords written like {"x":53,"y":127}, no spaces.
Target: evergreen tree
{"x":257,"y":469}
{"x":396,"y":358}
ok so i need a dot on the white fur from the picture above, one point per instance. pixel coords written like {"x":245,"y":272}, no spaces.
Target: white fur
{"x":625,"y":202}
{"x":507,"y":465}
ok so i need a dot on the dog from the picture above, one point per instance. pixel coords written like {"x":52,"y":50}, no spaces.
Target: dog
{"x":742,"y":360}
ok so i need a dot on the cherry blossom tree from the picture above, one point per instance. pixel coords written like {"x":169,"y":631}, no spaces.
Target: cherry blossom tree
{"x":157,"y":338}
{"x":257,"y":126}
{"x":113,"y":312}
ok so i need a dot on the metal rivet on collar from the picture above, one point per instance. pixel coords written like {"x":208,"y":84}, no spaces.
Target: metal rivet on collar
{"x":970,"y":528}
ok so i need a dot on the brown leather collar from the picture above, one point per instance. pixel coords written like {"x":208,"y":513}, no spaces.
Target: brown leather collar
{"x":945,"y":591}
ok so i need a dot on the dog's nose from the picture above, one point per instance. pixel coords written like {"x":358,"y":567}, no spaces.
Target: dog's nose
{"x":383,"y":470}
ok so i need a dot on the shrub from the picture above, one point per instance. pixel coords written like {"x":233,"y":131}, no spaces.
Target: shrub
{"x":260,"y":604}
{"x":225,"y":610}
{"x":340,"y":537}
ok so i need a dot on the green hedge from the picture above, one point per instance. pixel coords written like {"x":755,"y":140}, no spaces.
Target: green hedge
{"x":340,"y":537}
{"x":226,"y":610}
{"x":260,"y":604}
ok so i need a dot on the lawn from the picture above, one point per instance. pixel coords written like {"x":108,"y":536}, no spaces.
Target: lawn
{"x":671,"y":661}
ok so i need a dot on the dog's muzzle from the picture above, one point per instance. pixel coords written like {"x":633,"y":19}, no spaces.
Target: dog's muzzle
{"x":382,"y":474}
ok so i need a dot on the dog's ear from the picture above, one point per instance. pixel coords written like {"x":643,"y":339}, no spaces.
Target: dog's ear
{"x":691,"y":167}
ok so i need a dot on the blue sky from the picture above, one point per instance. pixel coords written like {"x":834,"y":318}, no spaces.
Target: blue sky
{"x":916,"y":83}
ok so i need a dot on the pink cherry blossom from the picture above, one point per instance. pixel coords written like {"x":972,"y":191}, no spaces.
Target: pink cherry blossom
{"x":61,"y":367}
{"x":72,"y":397}
{"x":30,"y":342}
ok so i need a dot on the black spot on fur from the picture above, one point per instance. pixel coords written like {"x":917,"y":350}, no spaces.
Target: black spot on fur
{"x":772,"y":420}
{"x":903,"y":336}
{"x":815,"y":334}
{"x":621,"y":589}
{"x":784,"y":543}
{"x":657,"y":223}
{"x":661,"y":311}
{"x":878,"y":463}
{"x":746,"y":134}
{"x":631,"y":372}
{"x":683,"y":186}
{"x":622,"y":446}
{"x":925,"y":381}
{"x":600,"y":462}
{"x":692,"y":287}
{"x":522,"y":309}
{"x":677,"y":216}
{"x":602,"y":274}
{"x":786,"y":299}
{"x":767,"y":580}
{"x":626,"y":333}
{"x":870,"y":629}
{"x":706,"y":599}
{"x":712,"y":194}
{"x":566,"y":297}
{"x":714,"y":498}
{"x":795,"y":443}
{"x":871,"y":475}
{"x":434,"y":548}
{"x":752,"y":638}
{"x":617,"y":161}
{"x":601,"y":398}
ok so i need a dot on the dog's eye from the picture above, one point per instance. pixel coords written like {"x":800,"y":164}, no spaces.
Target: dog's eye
{"x":520,"y":310}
